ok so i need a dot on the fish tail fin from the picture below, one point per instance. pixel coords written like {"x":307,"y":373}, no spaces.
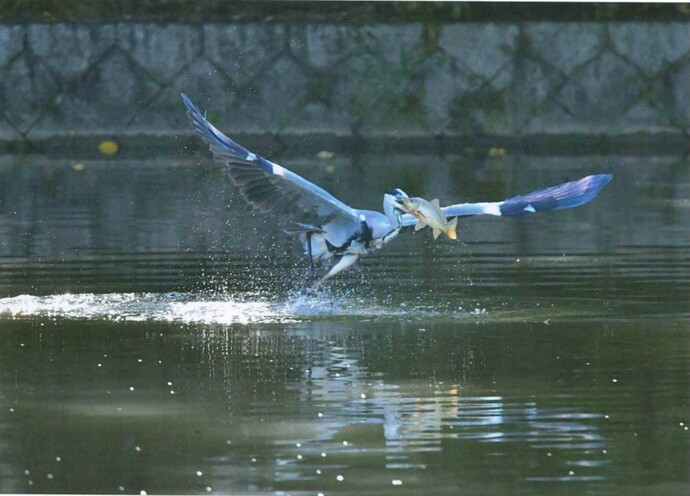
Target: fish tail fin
{"x":436,"y":232}
{"x":452,"y":229}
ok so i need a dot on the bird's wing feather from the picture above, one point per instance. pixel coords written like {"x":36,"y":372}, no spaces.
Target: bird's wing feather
{"x":563,"y":196}
{"x":268,"y":187}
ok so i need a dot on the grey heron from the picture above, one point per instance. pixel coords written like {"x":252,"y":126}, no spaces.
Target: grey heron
{"x":335,"y":230}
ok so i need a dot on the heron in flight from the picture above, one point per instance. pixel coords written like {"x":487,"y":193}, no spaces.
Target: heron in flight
{"x":333,"y":230}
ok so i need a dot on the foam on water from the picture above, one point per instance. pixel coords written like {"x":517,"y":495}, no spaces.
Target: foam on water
{"x":257,"y":308}
{"x":245,"y":308}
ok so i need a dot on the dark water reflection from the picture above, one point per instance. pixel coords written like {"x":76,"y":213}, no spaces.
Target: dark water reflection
{"x":150,"y":338}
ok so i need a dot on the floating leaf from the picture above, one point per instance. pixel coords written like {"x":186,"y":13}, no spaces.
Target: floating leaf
{"x":108,"y":147}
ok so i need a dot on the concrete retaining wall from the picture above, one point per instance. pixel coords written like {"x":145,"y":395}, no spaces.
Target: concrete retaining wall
{"x":468,"y":79}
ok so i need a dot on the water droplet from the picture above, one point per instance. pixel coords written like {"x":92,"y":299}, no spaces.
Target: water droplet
{"x":319,"y":414}
{"x":363,"y":396}
{"x":137,"y":449}
{"x":142,"y":492}
{"x":299,"y":457}
{"x":58,"y":459}
{"x":199,"y":473}
{"x":340,"y":478}
{"x":209,"y":489}
{"x":131,"y":388}
{"x":323,"y":455}
{"x":49,"y":476}
{"x":344,"y":443}
{"x":396,"y":482}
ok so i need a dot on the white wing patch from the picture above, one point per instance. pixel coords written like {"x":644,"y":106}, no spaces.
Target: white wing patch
{"x":278,"y":170}
{"x":529,"y":208}
{"x":492,"y":209}
{"x":251,"y":157}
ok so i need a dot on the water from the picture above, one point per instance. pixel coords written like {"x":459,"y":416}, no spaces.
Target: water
{"x":152,"y":338}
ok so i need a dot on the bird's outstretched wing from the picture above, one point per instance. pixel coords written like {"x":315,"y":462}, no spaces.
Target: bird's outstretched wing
{"x":563,"y":196}
{"x":268,"y":187}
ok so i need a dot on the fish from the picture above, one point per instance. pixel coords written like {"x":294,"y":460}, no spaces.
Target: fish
{"x":429,"y":213}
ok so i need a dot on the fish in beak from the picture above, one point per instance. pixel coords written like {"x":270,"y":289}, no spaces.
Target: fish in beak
{"x":429,"y":213}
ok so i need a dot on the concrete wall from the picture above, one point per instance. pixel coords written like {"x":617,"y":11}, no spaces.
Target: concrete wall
{"x":413,"y":79}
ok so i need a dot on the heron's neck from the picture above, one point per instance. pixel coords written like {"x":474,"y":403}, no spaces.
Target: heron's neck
{"x":391,"y":213}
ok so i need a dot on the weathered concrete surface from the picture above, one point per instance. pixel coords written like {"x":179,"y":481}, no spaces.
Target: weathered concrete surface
{"x":415,"y":79}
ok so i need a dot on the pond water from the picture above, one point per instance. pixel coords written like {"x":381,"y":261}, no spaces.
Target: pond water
{"x":152,"y":337}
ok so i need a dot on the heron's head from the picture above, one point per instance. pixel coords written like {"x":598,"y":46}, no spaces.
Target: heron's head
{"x":394,"y":199}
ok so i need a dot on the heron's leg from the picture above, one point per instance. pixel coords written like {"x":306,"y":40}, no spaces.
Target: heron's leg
{"x":342,"y":264}
{"x":310,"y":274}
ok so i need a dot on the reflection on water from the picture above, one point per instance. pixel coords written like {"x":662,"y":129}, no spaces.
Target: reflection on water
{"x":152,"y":338}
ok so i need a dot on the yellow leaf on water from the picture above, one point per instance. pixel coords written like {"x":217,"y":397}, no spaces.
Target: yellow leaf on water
{"x":325,"y":155}
{"x":108,"y":147}
{"x":496,"y":152}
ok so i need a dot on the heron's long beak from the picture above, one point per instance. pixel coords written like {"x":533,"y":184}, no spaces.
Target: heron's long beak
{"x":407,"y":205}
{"x":398,"y":205}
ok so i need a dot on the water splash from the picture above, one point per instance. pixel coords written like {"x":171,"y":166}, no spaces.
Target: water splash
{"x":244,"y":308}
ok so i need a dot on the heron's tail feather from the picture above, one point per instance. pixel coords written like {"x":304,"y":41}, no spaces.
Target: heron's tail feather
{"x":560,"y":197}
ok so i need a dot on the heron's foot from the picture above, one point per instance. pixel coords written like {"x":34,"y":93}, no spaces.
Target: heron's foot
{"x":309,"y":289}
{"x":310,"y":282}
{"x":314,"y":286}
{"x":309,"y":276}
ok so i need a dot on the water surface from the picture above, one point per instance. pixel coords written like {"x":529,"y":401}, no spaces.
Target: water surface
{"x":152,"y":336}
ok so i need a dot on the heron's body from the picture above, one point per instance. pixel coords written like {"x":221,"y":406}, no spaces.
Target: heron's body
{"x":331,"y":229}
{"x":339,"y":237}
{"x":346,"y":239}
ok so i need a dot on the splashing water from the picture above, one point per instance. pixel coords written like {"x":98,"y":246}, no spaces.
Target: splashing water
{"x":244,"y":308}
